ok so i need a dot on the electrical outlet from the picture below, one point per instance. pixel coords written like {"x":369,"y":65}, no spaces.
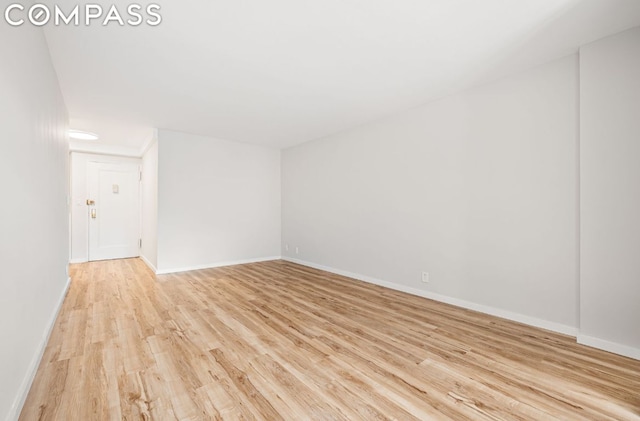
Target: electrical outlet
{"x":286,"y":247}
{"x":425,"y":277}
{"x":297,"y":250}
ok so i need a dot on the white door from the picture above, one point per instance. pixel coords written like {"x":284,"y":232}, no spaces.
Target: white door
{"x":114,"y":210}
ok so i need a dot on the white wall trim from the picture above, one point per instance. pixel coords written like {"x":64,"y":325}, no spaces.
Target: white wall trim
{"x":148,"y":263}
{"x":516,"y":317}
{"x":148,"y":143}
{"x":608,"y":346}
{"x":78,"y":260}
{"x":217,"y":265}
{"x":16,"y":408}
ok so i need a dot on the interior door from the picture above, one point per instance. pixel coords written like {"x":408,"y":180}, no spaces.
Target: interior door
{"x":114,"y":210}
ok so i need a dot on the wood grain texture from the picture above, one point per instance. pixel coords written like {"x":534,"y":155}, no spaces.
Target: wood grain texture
{"x":279,"y":341}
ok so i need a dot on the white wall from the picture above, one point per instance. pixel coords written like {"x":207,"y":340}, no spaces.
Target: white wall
{"x":149,"y":251}
{"x":34,"y":219}
{"x":79,"y":196}
{"x":610,"y":193}
{"x":218,"y":201}
{"x":479,"y":189}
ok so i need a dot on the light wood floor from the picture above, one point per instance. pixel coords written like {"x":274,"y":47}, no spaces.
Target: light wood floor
{"x":276,"y":341}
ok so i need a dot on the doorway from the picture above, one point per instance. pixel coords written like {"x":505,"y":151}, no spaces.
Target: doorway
{"x":113,"y":210}
{"x":80,"y":221}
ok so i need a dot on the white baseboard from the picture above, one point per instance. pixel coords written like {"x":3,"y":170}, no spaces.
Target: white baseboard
{"x":608,"y":346}
{"x":521,"y":318}
{"x":217,"y":265}
{"x":151,"y":266}
{"x":16,"y":408}
{"x":81,"y":260}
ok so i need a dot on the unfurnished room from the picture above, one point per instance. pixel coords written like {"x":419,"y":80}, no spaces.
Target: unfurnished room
{"x":320,"y":210}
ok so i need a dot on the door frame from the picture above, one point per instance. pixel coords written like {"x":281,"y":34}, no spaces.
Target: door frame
{"x":115,"y":161}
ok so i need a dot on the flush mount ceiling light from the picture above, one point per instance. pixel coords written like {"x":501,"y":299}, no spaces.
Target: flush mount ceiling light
{"x":82,"y":135}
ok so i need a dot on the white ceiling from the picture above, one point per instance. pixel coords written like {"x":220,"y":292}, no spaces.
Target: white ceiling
{"x":114,"y":132}
{"x":282,"y":72}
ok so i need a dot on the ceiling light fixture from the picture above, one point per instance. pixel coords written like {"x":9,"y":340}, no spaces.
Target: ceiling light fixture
{"x":81,"y":135}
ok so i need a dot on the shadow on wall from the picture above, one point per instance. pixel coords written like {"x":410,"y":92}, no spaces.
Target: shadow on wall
{"x":527,"y":48}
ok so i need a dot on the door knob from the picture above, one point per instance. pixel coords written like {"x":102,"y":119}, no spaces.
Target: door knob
{"x":93,"y":213}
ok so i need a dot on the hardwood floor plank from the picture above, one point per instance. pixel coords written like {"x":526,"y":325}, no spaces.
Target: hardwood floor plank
{"x":279,"y":341}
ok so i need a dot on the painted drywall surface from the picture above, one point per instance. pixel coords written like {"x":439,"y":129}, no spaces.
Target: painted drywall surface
{"x":610,"y":189}
{"x":218,"y":201}
{"x":478,"y":189}
{"x":34,"y":216}
{"x":79,"y":196}
{"x":149,"y":251}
